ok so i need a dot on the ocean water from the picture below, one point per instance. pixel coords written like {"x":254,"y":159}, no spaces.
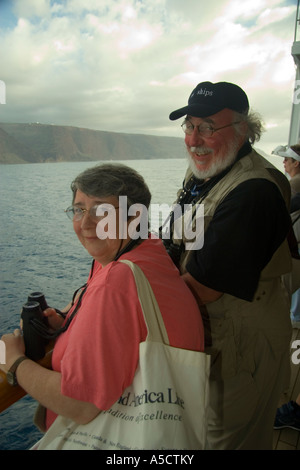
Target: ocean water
{"x":40,"y":252}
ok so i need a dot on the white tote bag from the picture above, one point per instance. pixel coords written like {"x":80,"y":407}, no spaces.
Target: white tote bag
{"x":164,"y":408}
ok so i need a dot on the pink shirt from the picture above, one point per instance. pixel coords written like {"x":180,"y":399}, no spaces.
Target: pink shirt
{"x":98,"y":354}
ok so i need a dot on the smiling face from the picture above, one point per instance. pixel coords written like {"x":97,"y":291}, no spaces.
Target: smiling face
{"x":209,"y":156}
{"x":104,"y":250}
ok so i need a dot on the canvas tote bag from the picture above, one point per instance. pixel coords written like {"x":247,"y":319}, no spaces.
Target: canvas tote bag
{"x":164,"y":408}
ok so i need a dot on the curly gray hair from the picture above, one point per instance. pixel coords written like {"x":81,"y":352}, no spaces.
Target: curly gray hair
{"x":255,"y":125}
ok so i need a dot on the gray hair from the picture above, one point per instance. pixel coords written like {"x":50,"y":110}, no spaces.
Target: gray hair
{"x":255,"y":125}
{"x":113,"y":180}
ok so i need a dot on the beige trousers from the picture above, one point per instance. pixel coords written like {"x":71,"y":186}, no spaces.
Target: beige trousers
{"x":243,"y":407}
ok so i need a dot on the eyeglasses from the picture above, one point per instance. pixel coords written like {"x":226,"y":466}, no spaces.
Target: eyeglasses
{"x":76,"y":213}
{"x":204,"y":130}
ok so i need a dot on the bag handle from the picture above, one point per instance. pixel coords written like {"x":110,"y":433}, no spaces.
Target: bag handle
{"x":152,"y":314}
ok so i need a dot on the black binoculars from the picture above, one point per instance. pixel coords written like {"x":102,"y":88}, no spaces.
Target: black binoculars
{"x":34,"y":323}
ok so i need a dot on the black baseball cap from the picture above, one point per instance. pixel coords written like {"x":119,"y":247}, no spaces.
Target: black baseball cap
{"x":210,"y":98}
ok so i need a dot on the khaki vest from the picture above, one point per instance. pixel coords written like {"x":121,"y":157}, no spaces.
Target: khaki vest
{"x":250,"y":167}
{"x":231,"y":324}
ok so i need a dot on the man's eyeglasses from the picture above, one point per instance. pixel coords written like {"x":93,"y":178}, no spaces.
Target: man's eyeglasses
{"x":96,"y":212}
{"x":204,"y":130}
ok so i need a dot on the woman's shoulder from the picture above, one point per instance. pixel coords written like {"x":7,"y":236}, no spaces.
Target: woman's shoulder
{"x":151,"y":257}
{"x":152,"y":251}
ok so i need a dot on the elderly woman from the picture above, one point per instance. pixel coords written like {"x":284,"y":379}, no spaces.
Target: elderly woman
{"x":96,"y":353}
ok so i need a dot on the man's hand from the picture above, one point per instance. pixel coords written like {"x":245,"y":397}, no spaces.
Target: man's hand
{"x":202,"y":294}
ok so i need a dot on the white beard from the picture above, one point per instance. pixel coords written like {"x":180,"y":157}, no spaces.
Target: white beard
{"x":218,"y":165}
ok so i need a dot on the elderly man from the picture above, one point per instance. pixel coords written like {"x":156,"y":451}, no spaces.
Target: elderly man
{"x":236,"y":275}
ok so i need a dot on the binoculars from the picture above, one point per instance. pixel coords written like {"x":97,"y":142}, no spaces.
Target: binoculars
{"x":34,"y":324}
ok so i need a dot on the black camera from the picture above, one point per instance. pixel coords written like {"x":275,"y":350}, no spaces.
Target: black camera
{"x":34,"y":323}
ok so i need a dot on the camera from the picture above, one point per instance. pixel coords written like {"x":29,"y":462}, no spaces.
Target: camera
{"x":34,"y":324}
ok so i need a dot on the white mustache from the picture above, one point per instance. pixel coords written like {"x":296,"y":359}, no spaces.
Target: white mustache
{"x":201,"y":150}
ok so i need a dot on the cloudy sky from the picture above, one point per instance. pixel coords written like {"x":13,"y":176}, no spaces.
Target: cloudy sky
{"x":124,"y":65}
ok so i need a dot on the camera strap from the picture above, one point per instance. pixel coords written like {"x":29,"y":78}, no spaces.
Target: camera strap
{"x":44,"y":331}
